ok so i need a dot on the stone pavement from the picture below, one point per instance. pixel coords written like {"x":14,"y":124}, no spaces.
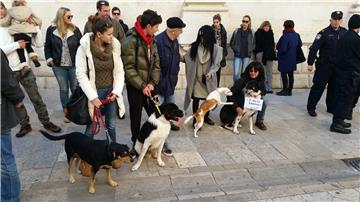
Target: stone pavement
{"x":296,"y":159}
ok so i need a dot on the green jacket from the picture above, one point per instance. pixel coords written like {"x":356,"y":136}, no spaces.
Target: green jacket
{"x":118,"y":33}
{"x":138,"y":70}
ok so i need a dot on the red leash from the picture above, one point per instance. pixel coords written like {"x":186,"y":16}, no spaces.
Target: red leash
{"x":97,"y":114}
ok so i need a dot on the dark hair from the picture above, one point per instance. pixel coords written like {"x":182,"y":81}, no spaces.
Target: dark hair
{"x":289,"y":24}
{"x":101,"y":3}
{"x":258,"y":67}
{"x":217,"y":17}
{"x":150,"y":17}
{"x":206,"y":36}
{"x":115,"y":9}
{"x":2,"y":4}
{"x":101,"y":25}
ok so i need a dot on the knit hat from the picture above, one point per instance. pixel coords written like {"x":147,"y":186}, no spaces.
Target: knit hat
{"x":354,"y":21}
{"x":175,"y":22}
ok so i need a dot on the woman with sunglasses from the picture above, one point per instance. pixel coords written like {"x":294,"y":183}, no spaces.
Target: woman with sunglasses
{"x":61,"y":43}
{"x":242,"y":43}
{"x":253,"y":72}
{"x":99,"y":70}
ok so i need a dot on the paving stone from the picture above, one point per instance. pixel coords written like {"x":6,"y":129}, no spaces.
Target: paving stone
{"x":189,"y":159}
{"x":345,"y":195}
{"x":276,"y":193}
{"x":327,"y":169}
{"x":182,"y":144}
{"x":266,"y":153}
{"x":350,"y":183}
{"x":198,"y":192}
{"x":35,"y":175}
{"x":290,"y":150}
{"x":206,"y":169}
{"x":318,"y":196}
{"x":172,"y":171}
{"x":297,"y":198}
{"x":217,"y":158}
{"x":233,"y":177}
{"x":192,"y":180}
{"x":320,"y":187}
{"x":242,"y":155}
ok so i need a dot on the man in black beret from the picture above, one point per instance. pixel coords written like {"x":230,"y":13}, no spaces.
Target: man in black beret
{"x":325,"y":42}
{"x":168,"y":48}
{"x":348,"y":76}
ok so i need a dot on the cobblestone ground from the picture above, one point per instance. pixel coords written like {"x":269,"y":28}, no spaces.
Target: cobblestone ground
{"x":296,"y":159}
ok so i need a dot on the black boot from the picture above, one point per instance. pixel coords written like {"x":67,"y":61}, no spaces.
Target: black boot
{"x":339,"y":128}
{"x":208,"y":120}
{"x":346,"y":125}
{"x":283,"y":92}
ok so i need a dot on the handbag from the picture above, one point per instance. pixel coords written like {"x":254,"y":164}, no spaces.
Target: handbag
{"x":300,"y":57}
{"x":78,"y":111}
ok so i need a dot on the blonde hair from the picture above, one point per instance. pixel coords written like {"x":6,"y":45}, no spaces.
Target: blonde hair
{"x":264,"y":24}
{"x":18,"y":3}
{"x":59,"y":21}
{"x":247,"y":16}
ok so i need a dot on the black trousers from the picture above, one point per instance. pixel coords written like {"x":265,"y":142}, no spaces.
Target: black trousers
{"x":287,"y":80}
{"x":20,"y":51}
{"x":324,"y":75}
{"x":137,"y":100}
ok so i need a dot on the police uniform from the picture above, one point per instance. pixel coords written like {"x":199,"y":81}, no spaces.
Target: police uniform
{"x":325,"y":42}
{"x":347,"y":76}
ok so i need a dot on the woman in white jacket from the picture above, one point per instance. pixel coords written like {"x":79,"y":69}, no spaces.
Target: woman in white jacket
{"x":100,"y":73}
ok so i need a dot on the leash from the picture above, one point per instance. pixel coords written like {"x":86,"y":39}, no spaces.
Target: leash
{"x":97,"y":117}
{"x":156,"y":101}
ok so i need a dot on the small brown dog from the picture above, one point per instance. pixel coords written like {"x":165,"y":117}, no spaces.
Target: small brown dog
{"x":213,"y":99}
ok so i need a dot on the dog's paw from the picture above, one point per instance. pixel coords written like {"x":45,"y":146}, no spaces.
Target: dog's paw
{"x":91,"y":190}
{"x":135,"y":167}
{"x":161,"y":163}
{"x":196,"y":135}
{"x":72,"y":180}
{"x":252,"y":132}
{"x":236,"y":132}
{"x":113,"y":183}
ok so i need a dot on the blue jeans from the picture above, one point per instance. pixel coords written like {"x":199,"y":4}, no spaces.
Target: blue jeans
{"x":167,"y":99}
{"x":109,"y":111}
{"x":66,"y":78}
{"x":10,"y":182}
{"x":239,"y":66}
{"x":261,"y":114}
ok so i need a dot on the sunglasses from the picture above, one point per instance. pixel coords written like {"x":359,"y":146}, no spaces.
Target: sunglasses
{"x":245,"y":21}
{"x":116,"y":13}
{"x":69,"y":17}
{"x":253,"y":71}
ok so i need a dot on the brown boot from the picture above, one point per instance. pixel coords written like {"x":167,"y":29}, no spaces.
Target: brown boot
{"x":66,"y":120}
{"x":260,"y":125}
{"x":52,"y":127}
{"x":24,"y":130}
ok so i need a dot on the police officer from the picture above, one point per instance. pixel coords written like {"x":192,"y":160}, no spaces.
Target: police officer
{"x":325,"y":41}
{"x":347,"y":75}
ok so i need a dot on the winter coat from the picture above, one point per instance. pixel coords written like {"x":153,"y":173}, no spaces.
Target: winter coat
{"x":53,"y":44}
{"x":87,"y":83}
{"x":139,"y":71}
{"x":118,"y":33}
{"x":265,"y":43}
{"x":348,"y":52}
{"x":11,"y":94}
{"x":287,"y":47}
{"x":17,"y":20}
{"x":235,"y":42}
{"x":223,"y":44}
{"x":169,"y":63}
{"x":190,"y":70}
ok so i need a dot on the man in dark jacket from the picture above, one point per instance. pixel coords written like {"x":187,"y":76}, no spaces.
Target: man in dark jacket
{"x":325,"y":42}
{"x":142,"y":69}
{"x":116,"y":14}
{"x":347,"y":75}
{"x":11,"y":98}
{"x":103,"y":11}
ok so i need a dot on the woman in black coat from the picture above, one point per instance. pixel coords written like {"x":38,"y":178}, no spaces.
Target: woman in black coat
{"x":253,"y":72}
{"x":221,"y":38}
{"x":265,"y":51}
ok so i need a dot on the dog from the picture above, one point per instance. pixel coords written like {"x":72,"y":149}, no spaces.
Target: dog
{"x":212,"y":100}
{"x":251,"y":90}
{"x":154,"y":133}
{"x":95,"y":153}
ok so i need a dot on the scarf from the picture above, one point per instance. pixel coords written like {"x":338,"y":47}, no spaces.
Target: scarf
{"x":147,"y":38}
{"x":287,"y":30}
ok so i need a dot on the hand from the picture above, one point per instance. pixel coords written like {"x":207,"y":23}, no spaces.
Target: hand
{"x":50,"y":63}
{"x":19,"y":104}
{"x":22,"y":44}
{"x":150,"y":86}
{"x":31,"y":21}
{"x":310,"y":68}
{"x":96,"y":102}
{"x":239,"y":111}
{"x":146,"y":91}
{"x":112,"y":97}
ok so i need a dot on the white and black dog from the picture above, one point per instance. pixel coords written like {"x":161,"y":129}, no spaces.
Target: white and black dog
{"x":154,"y":133}
{"x":251,"y":90}
{"x":212,"y":100}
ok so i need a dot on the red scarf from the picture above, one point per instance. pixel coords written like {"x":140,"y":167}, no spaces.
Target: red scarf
{"x":147,"y":38}
{"x":287,"y":30}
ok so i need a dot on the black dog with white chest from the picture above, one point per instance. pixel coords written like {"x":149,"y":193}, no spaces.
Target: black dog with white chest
{"x":155,"y":131}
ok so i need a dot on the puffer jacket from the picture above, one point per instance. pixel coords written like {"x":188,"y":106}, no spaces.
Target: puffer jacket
{"x":139,"y":71}
{"x":18,"y":20}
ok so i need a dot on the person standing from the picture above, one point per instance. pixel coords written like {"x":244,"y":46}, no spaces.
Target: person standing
{"x":61,"y":43}
{"x":347,"y":75}
{"x":325,"y":42}
{"x":287,"y":47}
{"x":11,"y":98}
{"x":116,"y":14}
{"x":28,"y":81}
{"x":201,"y":64}
{"x":103,"y":11}
{"x":142,"y":68}
{"x":221,"y":39}
{"x":265,"y":51}
{"x":242,"y":43}
{"x":99,"y":70}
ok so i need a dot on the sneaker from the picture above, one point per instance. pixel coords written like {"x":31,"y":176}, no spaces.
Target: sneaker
{"x":283,"y":93}
{"x":209,"y":121}
{"x":339,"y":128}
{"x":24,"y":130}
{"x":269,"y":92}
{"x":52,"y":127}
{"x":312,"y":113}
{"x":166,"y":151}
{"x":261,"y":125}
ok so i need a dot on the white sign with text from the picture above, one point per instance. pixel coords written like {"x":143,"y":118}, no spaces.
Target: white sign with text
{"x":252,"y":103}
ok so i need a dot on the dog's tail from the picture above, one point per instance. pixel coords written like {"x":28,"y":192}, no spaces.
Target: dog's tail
{"x":50,"y":137}
{"x":188,"y":119}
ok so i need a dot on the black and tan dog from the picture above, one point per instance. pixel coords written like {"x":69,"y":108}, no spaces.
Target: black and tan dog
{"x":96,"y":153}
